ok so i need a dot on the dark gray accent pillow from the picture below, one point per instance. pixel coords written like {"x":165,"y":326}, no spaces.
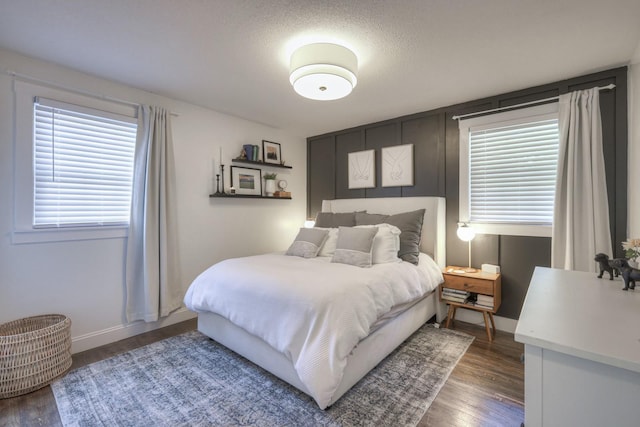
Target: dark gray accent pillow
{"x":363,"y":218}
{"x":335,"y":220}
{"x":410,"y":225}
{"x":308,"y":242}
{"x":355,"y":246}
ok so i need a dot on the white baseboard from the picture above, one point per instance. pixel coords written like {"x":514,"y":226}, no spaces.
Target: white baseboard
{"x":475,"y":317}
{"x":120,"y":332}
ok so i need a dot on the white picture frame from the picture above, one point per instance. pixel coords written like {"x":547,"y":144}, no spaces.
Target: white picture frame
{"x":362,"y":169}
{"x":397,"y":166}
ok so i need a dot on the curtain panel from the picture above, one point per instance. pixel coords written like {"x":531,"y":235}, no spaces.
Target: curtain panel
{"x":581,"y":209}
{"x":153,"y":288}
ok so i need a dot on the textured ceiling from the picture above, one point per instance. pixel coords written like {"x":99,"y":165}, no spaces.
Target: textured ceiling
{"x":414,"y":55}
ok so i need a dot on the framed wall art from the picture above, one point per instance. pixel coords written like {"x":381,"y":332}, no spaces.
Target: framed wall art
{"x":362,"y":169}
{"x":246,"y":180}
{"x":397,"y":166}
{"x":271,"y":152}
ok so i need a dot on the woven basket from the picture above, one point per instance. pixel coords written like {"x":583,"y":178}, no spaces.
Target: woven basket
{"x":33,"y":352}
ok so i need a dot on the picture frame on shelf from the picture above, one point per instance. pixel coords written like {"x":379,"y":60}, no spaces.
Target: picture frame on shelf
{"x":271,"y":152}
{"x":246,"y":181}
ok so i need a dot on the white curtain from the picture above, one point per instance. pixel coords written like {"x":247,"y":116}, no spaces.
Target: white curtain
{"x":152,"y":276}
{"x":581,"y":211}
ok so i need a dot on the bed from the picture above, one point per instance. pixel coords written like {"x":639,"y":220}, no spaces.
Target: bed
{"x":361,"y":355}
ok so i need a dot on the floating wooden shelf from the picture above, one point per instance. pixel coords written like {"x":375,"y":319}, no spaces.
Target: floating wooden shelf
{"x":247,"y":196}
{"x":260,"y":163}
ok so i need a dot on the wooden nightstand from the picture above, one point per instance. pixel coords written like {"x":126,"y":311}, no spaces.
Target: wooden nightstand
{"x":474,"y":291}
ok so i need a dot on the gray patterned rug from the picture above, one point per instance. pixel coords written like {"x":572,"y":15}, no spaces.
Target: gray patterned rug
{"x":189,"y":380}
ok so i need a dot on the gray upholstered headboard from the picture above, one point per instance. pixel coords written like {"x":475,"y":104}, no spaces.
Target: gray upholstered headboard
{"x":433,"y":228}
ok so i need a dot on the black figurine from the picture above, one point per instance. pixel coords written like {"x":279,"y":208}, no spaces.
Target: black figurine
{"x":606,"y":265}
{"x":628,"y":273}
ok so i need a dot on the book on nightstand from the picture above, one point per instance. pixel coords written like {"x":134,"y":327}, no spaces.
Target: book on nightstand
{"x":485,"y":299}
{"x":455,"y":295}
{"x":454,"y":299}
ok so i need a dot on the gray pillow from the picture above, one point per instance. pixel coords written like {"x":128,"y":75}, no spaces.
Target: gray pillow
{"x":355,"y":246}
{"x":363,"y":218}
{"x":308,"y":242}
{"x":335,"y":220}
{"x":410,"y":225}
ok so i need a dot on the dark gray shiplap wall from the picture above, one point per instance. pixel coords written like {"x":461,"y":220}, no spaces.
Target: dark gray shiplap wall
{"x":436,"y":145}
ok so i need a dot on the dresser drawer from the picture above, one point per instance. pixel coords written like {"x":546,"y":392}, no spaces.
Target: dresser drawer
{"x":470,"y":284}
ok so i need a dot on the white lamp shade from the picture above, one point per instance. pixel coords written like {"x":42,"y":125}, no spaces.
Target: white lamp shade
{"x":323,"y":71}
{"x":465,"y":233}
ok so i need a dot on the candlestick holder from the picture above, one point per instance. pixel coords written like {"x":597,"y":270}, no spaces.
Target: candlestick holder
{"x":217,"y":193}
{"x":222,"y":193}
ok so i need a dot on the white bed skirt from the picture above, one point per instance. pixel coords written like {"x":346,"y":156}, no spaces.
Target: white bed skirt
{"x":364,"y":357}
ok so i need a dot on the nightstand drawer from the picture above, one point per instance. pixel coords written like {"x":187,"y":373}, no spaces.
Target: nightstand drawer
{"x":470,"y":284}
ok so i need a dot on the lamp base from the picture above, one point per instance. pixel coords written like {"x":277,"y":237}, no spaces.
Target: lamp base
{"x":470,"y":270}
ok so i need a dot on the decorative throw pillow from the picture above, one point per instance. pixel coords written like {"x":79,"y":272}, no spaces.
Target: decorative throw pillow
{"x":329,"y":245}
{"x":307,"y":242}
{"x":354,"y":246}
{"x":335,"y":219}
{"x":363,"y":218}
{"x":386,"y":244}
{"x":410,"y":225}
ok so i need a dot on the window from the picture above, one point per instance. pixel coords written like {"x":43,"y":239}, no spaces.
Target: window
{"x":83,"y":166}
{"x":73,"y":165}
{"x":508,"y":164}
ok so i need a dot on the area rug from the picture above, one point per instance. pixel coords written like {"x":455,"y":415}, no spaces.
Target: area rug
{"x":190,"y":380}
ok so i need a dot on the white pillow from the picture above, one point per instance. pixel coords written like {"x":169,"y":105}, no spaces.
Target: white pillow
{"x":329,"y":246}
{"x":386,"y":244}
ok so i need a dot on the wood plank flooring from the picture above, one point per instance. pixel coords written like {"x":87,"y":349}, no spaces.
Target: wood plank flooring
{"x":486,"y":388}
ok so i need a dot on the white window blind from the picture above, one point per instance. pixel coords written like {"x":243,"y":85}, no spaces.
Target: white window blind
{"x":83,"y":165}
{"x":508,"y":166}
{"x":512,"y":173}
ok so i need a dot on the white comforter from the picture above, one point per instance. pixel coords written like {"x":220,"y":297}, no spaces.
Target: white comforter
{"x":313,"y":311}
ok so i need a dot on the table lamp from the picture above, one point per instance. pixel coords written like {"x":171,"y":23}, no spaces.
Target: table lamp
{"x":466,"y":234}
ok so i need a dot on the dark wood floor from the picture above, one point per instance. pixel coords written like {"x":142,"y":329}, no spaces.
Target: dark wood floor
{"x":485,"y":389}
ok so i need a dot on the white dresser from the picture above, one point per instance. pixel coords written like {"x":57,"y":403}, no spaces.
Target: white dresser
{"x":582,"y":350}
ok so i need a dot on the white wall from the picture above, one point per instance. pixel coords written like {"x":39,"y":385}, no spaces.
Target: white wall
{"x":84,"y":279}
{"x":633,"y":191}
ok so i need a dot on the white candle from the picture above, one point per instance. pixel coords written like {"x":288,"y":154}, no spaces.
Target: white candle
{"x":220,"y":155}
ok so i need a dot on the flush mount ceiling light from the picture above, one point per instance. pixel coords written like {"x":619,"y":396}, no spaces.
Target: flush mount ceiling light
{"x":323,"y":71}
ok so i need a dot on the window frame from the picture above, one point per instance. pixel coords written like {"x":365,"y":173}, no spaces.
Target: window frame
{"x":507,"y":118}
{"x":23,"y":165}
